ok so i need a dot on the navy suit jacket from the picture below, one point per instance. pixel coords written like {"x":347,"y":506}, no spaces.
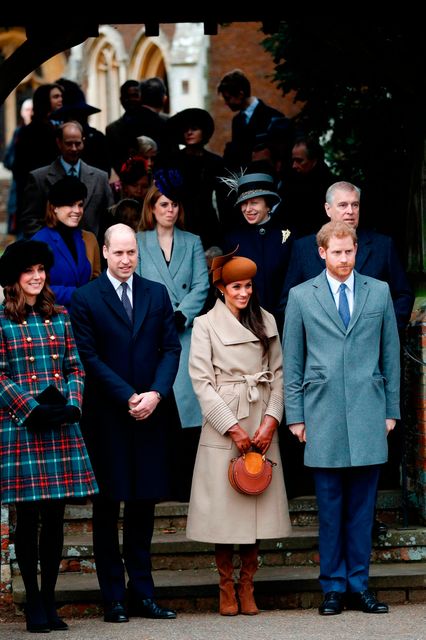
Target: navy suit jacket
{"x":129,"y":457}
{"x":376,"y":257}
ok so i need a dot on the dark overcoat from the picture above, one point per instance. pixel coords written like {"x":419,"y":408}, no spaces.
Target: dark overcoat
{"x":129,"y":457}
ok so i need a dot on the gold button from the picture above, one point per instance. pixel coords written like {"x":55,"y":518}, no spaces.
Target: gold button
{"x":55,"y":356}
{"x":31,"y":358}
{"x":47,"y":321}
{"x":24,"y":322}
{"x":52,"y":337}
{"x":29,"y":339}
{"x":56,"y":375}
{"x":33,"y":377}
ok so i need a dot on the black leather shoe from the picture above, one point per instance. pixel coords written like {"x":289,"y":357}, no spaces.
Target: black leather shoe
{"x":332,"y":604}
{"x":57,"y":624}
{"x":367,"y":602}
{"x":379,"y":528}
{"x":148,"y":608}
{"x":115,"y":612}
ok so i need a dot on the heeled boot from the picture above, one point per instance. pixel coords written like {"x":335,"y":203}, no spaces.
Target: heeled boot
{"x":245,"y":588}
{"x":228,"y":605}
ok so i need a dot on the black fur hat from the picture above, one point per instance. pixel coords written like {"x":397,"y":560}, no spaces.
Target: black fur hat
{"x":66,"y":191}
{"x":20,"y":255}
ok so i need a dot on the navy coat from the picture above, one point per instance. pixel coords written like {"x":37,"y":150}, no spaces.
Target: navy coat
{"x":129,"y":457}
{"x":66,"y":274}
{"x":270,"y":247}
{"x":376,"y":257}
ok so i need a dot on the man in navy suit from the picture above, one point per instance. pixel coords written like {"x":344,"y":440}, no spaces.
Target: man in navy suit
{"x":376,"y":255}
{"x":252,"y":119}
{"x":125,"y":332}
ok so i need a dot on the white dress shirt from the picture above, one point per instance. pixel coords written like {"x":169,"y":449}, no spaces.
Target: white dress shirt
{"x":335,"y":286}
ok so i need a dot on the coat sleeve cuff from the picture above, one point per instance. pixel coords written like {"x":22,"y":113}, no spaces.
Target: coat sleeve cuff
{"x":275,"y":406}
{"x":221,"y":418}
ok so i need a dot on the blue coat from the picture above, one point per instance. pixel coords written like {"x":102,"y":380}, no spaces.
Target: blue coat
{"x":66,"y":274}
{"x":343,"y":384}
{"x":187,"y":282}
{"x":376,"y":257}
{"x":130,"y":458}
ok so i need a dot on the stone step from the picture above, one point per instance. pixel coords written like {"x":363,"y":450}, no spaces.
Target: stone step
{"x":173,"y":551}
{"x":171,"y":516}
{"x":275,"y":587}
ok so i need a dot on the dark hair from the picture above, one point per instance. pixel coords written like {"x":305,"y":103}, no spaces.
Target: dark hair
{"x":153,"y":91}
{"x":129,"y":84}
{"x":234,"y":82}
{"x":251,"y":318}
{"x":41,"y":100}
{"x":16,"y":308}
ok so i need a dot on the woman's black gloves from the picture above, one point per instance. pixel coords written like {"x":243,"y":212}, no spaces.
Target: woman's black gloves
{"x":49,"y":416}
{"x":180,"y":320}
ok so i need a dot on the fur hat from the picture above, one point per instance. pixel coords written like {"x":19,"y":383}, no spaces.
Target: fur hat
{"x":231,"y":268}
{"x":66,"y":191}
{"x":194,"y":117}
{"x":20,"y":255}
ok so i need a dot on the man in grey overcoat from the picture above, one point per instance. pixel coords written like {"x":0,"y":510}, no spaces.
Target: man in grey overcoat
{"x":341,"y":379}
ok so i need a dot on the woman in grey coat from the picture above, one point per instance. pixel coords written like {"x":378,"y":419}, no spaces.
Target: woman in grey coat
{"x":175,"y":257}
{"x":236,"y":368}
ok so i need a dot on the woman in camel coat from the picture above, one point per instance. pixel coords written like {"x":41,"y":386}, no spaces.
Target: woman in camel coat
{"x":236,"y":368}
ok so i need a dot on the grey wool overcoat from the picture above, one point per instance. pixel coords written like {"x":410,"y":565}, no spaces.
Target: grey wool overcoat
{"x":234,"y":382}
{"x":343,"y":384}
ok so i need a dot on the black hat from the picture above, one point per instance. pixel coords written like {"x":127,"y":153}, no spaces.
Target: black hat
{"x":66,"y":191}
{"x":256,"y":185}
{"x":74,"y":104}
{"x":20,"y":255}
{"x":170,"y":182}
{"x":193,"y":117}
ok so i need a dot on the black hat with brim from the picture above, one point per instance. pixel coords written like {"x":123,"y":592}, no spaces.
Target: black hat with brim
{"x":193,"y":117}
{"x":20,"y":255}
{"x":73,"y":110}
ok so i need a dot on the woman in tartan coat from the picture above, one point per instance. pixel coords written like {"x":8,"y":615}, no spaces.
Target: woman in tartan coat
{"x":43,"y":459}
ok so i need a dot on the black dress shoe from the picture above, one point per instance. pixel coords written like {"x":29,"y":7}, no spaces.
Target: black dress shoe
{"x":57,"y":624}
{"x":332,"y":604}
{"x":379,"y":528}
{"x":115,"y":612}
{"x":365,"y":601}
{"x":148,"y":608}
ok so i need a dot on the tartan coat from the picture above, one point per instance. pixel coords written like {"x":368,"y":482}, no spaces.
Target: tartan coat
{"x":54,"y":463}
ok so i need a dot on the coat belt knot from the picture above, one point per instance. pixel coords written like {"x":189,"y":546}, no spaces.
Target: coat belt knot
{"x":247,"y":389}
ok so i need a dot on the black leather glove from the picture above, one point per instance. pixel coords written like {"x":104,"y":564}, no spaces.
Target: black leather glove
{"x":180,"y":320}
{"x":72,"y":414}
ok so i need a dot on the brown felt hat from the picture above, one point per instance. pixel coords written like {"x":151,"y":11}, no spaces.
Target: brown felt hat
{"x":231,"y":268}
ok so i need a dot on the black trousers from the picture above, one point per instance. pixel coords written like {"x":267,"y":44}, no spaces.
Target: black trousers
{"x":135,"y":559}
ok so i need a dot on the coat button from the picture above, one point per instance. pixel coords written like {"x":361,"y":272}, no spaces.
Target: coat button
{"x":34,"y":377}
{"x":184,"y":286}
{"x":29,"y":339}
{"x":47,"y":322}
{"x":31,"y":358}
{"x":52,"y":337}
{"x":56,"y":375}
{"x":262,"y":231}
{"x":55,"y":356}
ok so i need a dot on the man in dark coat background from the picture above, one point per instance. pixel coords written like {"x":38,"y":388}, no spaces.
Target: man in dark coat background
{"x":130,"y":349}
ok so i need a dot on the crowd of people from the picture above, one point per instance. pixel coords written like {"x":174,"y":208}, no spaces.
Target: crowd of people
{"x":214,"y":299}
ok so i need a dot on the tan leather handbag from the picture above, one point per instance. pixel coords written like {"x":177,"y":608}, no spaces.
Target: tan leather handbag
{"x":250,"y":473}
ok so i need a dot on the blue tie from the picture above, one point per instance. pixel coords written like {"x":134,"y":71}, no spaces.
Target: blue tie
{"x":344,"y":305}
{"x":72,"y":172}
{"x":126,"y":302}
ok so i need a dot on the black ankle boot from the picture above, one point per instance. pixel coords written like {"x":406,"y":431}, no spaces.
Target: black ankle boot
{"x":55,"y":623}
{"x":35,"y":616}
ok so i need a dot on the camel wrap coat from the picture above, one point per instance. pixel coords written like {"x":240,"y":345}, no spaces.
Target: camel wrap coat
{"x":234,"y":382}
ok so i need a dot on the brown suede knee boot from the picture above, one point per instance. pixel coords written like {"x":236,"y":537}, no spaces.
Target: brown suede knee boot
{"x":227,"y":600}
{"x":249,"y":566}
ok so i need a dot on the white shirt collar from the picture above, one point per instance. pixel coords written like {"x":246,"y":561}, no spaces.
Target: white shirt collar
{"x":252,"y":106}
{"x":116,"y":283}
{"x":335,"y":284}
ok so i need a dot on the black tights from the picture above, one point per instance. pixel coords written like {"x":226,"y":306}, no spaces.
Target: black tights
{"x":30,"y":546}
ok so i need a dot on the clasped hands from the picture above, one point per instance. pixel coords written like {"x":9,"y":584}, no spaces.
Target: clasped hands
{"x":261,"y":439}
{"x":142,"y":405}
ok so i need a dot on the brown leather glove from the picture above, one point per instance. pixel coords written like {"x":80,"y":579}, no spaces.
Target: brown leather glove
{"x":240,"y":438}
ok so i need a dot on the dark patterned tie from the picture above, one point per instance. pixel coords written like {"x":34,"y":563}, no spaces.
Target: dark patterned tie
{"x":344,"y":305}
{"x":126,"y":302}
{"x":72,"y":172}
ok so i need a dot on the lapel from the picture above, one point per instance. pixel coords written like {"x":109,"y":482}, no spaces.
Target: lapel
{"x":111,"y":298}
{"x":62,"y":250}
{"x":364,"y":249}
{"x":178,"y":253}
{"x":226,"y":326}
{"x":155,"y":254}
{"x":325,"y":298}
{"x":86,"y":176}
{"x":141,"y":302}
